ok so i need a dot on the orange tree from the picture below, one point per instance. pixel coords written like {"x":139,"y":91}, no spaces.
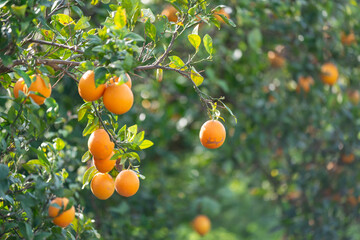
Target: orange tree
{"x":51,"y":52}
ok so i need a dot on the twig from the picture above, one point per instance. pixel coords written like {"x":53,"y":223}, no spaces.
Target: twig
{"x":72,"y":48}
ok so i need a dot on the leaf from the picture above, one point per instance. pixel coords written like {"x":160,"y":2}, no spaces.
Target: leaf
{"x":120,"y":17}
{"x":88,"y":175}
{"x":139,"y":137}
{"x":159,"y":74}
{"x":22,"y":74}
{"x":135,"y":37}
{"x":100,"y":74}
{"x":4,"y":171}
{"x":82,"y":23}
{"x":176,"y":62}
{"x":146,"y":144}
{"x":208,"y":44}
{"x":86,"y":156}
{"x":19,"y":10}
{"x":83,"y":110}
{"x":34,"y":162}
{"x":132,"y":131}
{"x":91,"y":126}
{"x":255,"y":39}
{"x":131,"y":155}
{"x":150,"y":30}
{"x":227,"y":20}
{"x":94,"y":2}
{"x":147,"y":14}
{"x":64,"y":19}
{"x":59,"y":144}
{"x":41,"y":155}
{"x":195,"y":40}
{"x":229,"y":110}
{"x":196,"y":77}
{"x":26,"y":230}
{"x":196,"y":30}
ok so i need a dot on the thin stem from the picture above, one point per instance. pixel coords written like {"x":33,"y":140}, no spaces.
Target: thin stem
{"x":72,"y":48}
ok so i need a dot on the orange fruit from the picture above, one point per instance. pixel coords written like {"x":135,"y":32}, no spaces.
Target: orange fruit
{"x":201,"y":224}
{"x":347,"y":39}
{"x":354,"y":96}
{"x":102,"y":186}
{"x":87,"y":88}
{"x":65,"y":217}
{"x":99,"y":144}
{"x":170,"y":12}
{"x":349,"y":158}
{"x":223,"y":12}
{"x":20,"y":86}
{"x":329,"y":73}
{"x":127,"y":183}
{"x":39,"y":86}
{"x":276,"y":60}
{"x":105,"y":165}
{"x":304,"y":83}
{"x":118,"y":99}
{"x":128,"y":83}
{"x":212,"y":134}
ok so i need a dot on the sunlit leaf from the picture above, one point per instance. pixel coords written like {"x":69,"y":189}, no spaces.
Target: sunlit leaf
{"x":195,"y":40}
{"x":120,"y":17}
{"x":196,"y":77}
{"x":208,"y":44}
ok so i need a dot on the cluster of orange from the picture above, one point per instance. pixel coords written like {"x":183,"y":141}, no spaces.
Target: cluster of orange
{"x":38,"y":86}
{"x":329,"y":73}
{"x":170,"y":12}
{"x":117,"y":97}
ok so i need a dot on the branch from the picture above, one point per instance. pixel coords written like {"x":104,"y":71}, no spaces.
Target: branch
{"x":73,"y":48}
{"x":174,"y":35}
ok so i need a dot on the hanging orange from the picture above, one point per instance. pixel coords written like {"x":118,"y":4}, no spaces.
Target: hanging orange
{"x":20,"y":86}
{"x":87,"y":88}
{"x":329,"y":73}
{"x":212,"y":134}
{"x":99,"y":144}
{"x":65,"y":217}
{"x":102,"y":186}
{"x":201,"y":224}
{"x":127,"y":183}
{"x":105,"y":165}
{"x":118,"y":99}
{"x":128,"y":80}
{"x":39,"y":86}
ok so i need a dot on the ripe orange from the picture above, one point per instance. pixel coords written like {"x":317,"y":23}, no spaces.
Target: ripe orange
{"x":223,"y":12}
{"x":65,"y":217}
{"x":329,"y":73}
{"x":276,"y":60}
{"x":347,"y":39}
{"x":304,"y":83}
{"x":170,"y":13}
{"x":128,"y":83}
{"x":99,"y":144}
{"x":212,"y":134}
{"x":349,"y":158}
{"x":201,"y":224}
{"x":20,"y":86}
{"x":102,"y":186}
{"x":105,"y":165}
{"x":127,"y":183}
{"x":118,"y":99}
{"x":87,"y":88}
{"x":39,"y":86}
{"x":354,"y":96}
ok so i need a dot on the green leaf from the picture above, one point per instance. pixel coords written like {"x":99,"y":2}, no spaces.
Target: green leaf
{"x":255,"y":39}
{"x":4,"y":171}
{"x":22,"y":74}
{"x":30,"y":164}
{"x":131,"y":132}
{"x":26,"y":230}
{"x":196,"y":77}
{"x":120,"y":17}
{"x":229,"y":110}
{"x":88,"y":175}
{"x":195,"y":40}
{"x":131,"y":155}
{"x":150,"y":30}
{"x":100,"y":75}
{"x":208,"y":44}
{"x":83,"y":110}
{"x":135,"y":37}
{"x":42,"y":157}
{"x":64,"y":19}
{"x":82,"y":23}
{"x":91,"y":126}
{"x":139,"y":137}
{"x":86,"y":157}
{"x":227,"y":20}
{"x":59,"y":144}
{"x":94,"y":2}
{"x":146,"y":144}
{"x":19,"y":10}
{"x":176,"y":62}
